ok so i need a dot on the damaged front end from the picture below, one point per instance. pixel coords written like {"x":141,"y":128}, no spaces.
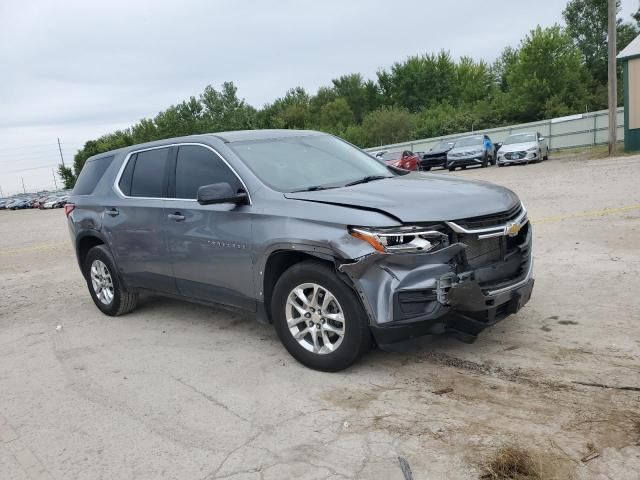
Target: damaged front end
{"x":459,"y":276}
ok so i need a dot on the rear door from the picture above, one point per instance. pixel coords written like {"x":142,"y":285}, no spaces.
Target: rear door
{"x":210,"y":245}
{"x":135,"y":221}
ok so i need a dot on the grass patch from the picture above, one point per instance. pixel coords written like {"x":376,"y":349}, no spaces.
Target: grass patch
{"x":515,"y":463}
{"x":511,"y":463}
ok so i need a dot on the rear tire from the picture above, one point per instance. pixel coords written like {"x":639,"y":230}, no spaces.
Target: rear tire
{"x":426,"y":169}
{"x":307,"y":285}
{"x":106,"y":289}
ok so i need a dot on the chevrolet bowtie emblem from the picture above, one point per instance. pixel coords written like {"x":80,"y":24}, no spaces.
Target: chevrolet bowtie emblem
{"x":512,"y":229}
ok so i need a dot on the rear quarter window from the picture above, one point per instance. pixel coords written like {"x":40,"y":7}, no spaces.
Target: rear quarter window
{"x":91,"y":174}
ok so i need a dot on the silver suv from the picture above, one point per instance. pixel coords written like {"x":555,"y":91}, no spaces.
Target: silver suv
{"x":338,"y":250}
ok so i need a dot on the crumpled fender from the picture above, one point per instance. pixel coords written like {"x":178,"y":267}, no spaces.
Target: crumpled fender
{"x":378,"y":276}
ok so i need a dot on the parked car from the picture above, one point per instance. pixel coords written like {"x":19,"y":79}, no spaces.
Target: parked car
{"x":50,"y":203}
{"x":19,"y":204}
{"x":61,"y":201}
{"x":404,"y":159}
{"x":436,"y":156}
{"x":335,"y":250}
{"x":3,"y":204}
{"x":523,"y":148}
{"x":471,"y":150}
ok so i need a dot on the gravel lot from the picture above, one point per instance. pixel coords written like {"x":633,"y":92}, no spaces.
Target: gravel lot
{"x":182,"y":391}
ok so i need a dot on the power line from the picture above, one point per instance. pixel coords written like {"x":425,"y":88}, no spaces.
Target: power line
{"x":20,"y":147}
{"x":29,"y":169}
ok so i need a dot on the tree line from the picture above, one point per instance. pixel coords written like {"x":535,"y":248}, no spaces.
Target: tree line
{"x":554,"y":71}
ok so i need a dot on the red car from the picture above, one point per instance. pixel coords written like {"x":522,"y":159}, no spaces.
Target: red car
{"x":404,"y":159}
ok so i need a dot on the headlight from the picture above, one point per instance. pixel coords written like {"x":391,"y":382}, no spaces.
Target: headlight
{"x":402,"y":239}
{"x":532,"y":149}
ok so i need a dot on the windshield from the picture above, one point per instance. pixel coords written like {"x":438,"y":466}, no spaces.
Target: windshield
{"x":470,"y":141}
{"x":520,"y":138}
{"x":390,"y":156}
{"x":443,"y":146}
{"x":299,"y":163}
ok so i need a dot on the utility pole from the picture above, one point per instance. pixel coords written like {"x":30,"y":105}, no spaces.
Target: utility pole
{"x":55,"y":181}
{"x":613,"y":87}
{"x":24,"y":190}
{"x":60,"y":148}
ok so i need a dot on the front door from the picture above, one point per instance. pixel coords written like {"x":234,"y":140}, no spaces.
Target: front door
{"x":210,"y":245}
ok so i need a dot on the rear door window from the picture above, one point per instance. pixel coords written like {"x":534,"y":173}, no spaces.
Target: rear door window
{"x":197,"y":166}
{"x":148,"y":177}
{"x":91,"y":174}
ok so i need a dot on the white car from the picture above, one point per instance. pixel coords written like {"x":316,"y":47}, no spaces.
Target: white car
{"x":523,"y":148}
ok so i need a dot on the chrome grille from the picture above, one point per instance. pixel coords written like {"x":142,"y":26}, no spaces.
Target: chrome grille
{"x":491,"y":220}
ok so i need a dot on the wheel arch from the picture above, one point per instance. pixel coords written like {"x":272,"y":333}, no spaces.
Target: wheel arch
{"x":281,"y":258}
{"x":86,"y":241}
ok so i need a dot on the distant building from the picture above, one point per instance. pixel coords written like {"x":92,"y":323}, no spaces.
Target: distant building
{"x":630,"y":58}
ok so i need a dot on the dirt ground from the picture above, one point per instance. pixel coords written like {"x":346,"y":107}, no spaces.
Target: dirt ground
{"x":181,"y":391}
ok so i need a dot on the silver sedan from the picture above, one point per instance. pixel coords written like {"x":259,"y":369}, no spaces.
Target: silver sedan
{"x":523,"y":148}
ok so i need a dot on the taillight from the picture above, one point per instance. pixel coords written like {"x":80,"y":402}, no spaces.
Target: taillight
{"x":68,"y":208}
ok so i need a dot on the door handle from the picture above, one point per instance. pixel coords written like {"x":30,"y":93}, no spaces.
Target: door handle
{"x":177,"y":216}
{"x":112,"y":212}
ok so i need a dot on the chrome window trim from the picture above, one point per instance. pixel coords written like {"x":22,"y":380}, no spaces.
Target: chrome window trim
{"x":489,"y":232}
{"x":116,"y":182}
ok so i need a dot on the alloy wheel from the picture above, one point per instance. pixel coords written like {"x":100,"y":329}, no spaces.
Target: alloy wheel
{"x":315,"y":318}
{"x":102,"y":282}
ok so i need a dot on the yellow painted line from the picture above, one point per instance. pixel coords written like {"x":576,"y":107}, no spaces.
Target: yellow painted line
{"x":35,"y":248}
{"x":592,"y":214}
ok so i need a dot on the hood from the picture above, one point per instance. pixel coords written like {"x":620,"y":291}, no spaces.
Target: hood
{"x":517,"y":147}
{"x":466,"y":150}
{"x":436,"y":152}
{"x":419,"y":197}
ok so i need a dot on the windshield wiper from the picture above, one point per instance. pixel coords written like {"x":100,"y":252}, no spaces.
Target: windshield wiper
{"x":367,"y":179}
{"x":313,"y":188}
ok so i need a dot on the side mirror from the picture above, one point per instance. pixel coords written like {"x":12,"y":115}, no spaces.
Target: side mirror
{"x":541,"y":139}
{"x":219,"y":193}
{"x":498,"y":145}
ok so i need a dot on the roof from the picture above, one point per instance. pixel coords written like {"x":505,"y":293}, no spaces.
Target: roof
{"x":246,"y":135}
{"x":631,"y":50}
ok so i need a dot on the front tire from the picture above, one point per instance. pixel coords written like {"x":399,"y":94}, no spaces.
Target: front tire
{"x":318,"y":318}
{"x":105,"y":286}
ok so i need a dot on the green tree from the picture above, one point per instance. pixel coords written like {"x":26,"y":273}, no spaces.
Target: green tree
{"x":68,"y":178}
{"x":502,"y":66}
{"x":548,"y":65}
{"x":587,"y":24}
{"x":352,"y":89}
{"x":473,"y":80}
{"x":336,"y":116}
{"x":387,"y":125}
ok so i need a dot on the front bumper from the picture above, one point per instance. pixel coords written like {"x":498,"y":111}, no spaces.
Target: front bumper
{"x":413,"y":295}
{"x":431,"y":162}
{"x":524,"y":157}
{"x":464,"y":322}
{"x":465,"y":161}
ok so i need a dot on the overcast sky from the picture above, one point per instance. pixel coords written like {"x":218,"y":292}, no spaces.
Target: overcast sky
{"x":78,"y":69}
